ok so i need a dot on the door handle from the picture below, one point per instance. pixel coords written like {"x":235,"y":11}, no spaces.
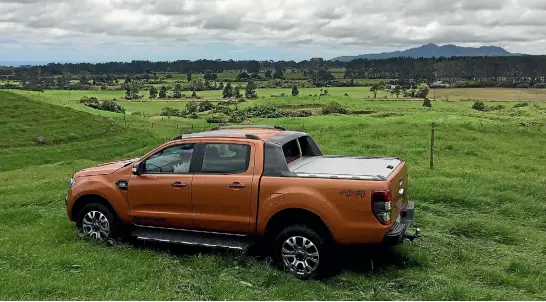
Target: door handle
{"x":237,"y":185}
{"x":178,"y":184}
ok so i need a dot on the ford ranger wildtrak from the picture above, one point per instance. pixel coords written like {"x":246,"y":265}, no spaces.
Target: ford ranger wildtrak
{"x":235,"y":186}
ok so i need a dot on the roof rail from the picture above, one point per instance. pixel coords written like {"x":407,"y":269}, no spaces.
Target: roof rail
{"x":212,"y":134}
{"x":248,"y":126}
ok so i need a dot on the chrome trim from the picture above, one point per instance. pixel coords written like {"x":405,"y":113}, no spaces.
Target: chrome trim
{"x":186,"y":230}
{"x":341,"y":176}
{"x":189,"y":243}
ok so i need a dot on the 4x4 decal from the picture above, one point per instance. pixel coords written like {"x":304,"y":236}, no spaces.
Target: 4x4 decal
{"x":355,"y":193}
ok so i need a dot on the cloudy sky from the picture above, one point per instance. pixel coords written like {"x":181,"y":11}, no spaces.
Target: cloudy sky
{"x":106,"y":30}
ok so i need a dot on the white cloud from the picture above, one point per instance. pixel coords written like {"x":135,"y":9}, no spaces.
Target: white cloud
{"x":341,"y":26}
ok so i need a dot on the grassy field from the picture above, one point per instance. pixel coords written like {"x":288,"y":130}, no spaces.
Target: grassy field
{"x":359,"y":92}
{"x":480,"y":210}
{"x":497,"y":94}
{"x":452,"y":94}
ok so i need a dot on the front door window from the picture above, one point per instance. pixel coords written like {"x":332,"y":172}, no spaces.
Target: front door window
{"x":171,"y":160}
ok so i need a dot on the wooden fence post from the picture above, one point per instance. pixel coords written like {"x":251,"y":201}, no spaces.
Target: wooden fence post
{"x":432,"y":146}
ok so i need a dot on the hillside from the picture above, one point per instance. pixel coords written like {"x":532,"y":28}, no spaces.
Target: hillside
{"x":24,"y":120}
{"x":67,"y":134}
{"x":432,"y":50}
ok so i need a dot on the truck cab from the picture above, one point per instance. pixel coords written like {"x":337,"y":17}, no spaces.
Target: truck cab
{"x":234,"y":187}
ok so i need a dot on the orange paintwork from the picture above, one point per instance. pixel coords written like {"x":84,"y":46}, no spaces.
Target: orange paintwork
{"x":208,"y":202}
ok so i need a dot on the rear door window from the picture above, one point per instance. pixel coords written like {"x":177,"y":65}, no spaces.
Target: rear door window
{"x":225,"y":158}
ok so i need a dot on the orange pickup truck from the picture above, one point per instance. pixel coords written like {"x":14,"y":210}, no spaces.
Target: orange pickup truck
{"x":236,"y":186}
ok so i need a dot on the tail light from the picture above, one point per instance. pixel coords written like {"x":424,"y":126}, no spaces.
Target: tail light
{"x":381,"y":206}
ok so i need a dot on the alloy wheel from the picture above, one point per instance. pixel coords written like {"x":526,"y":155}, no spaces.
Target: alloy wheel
{"x":96,"y":225}
{"x":300,"y":255}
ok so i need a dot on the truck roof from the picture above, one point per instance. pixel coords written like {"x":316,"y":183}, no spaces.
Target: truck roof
{"x":273,"y":134}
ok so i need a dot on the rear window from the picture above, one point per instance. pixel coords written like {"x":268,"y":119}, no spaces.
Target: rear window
{"x":303,"y":146}
{"x":291,"y":150}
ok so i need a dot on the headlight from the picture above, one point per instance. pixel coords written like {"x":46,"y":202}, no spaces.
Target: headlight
{"x":72,"y":182}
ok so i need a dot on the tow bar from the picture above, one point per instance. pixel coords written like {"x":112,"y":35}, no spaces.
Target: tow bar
{"x":410,"y":236}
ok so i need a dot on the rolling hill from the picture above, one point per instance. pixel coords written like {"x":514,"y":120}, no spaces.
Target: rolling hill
{"x":433,"y":50}
{"x":67,"y":134}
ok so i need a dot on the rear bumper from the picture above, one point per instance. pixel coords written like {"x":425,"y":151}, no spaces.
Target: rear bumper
{"x":399,"y":231}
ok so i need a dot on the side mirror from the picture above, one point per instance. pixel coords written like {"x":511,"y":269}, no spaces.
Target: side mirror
{"x":137,"y":168}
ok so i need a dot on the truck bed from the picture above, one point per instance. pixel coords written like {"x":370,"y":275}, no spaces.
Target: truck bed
{"x":351,"y":167}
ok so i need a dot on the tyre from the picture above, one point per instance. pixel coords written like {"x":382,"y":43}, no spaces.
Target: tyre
{"x":303,"y":252}
{"x":97,"y":222}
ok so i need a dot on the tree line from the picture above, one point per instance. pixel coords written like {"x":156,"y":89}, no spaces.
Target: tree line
{"x":514,"y":71}
{"x":143,"y":67}
{"x":518,"y":71}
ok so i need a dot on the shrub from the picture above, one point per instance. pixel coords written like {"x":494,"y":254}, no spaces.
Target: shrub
{"x":334,"y":107}
{"x":478,"y":105}
{"x":168,"y":111}
{"x":518,"y":105}
{"x":111,"y":106}
{"x":295,"y":90}
{"x":92,"y":102}
{"x":422,"y":91}
{"x":136,"y":113}
{"x":297,"y":113}
{"x":264,"y":111}
{"x":205,"y":106}
{"x":237,"y":117}
{"x":222,"y":109}
{"x":192,"y":107}
{"x":522,"y":85}
{"x":193,"y":115}
{"x":217,"y":118}
{"x":241,"y":100}
{"x":539,"y":85}
{"x":427,"y":103}
{"x":346,"y":94}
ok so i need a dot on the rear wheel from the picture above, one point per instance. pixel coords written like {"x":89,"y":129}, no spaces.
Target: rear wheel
{"x":97,"y":222}
{"x":303,"y":252}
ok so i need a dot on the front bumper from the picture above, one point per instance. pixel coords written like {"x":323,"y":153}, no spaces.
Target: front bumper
{"x":399,"y":231}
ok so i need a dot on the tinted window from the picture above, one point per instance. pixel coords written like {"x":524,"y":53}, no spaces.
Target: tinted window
{"x":291,"y":150}
{"x":308,"y":146}
{"x":225,"y":158}
{"x":174,"y":160}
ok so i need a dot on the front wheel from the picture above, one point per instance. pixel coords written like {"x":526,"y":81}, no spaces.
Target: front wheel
{"x":303,"y":252}
{"x":97,"y":222}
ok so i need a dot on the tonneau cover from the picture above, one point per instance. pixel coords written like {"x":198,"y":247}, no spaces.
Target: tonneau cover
{"x":375,"y":168}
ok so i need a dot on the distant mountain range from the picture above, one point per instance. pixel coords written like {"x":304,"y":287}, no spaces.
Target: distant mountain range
{"x":433,"y":50}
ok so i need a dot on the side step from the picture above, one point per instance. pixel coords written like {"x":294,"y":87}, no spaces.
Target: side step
{"x":191,"y":238}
